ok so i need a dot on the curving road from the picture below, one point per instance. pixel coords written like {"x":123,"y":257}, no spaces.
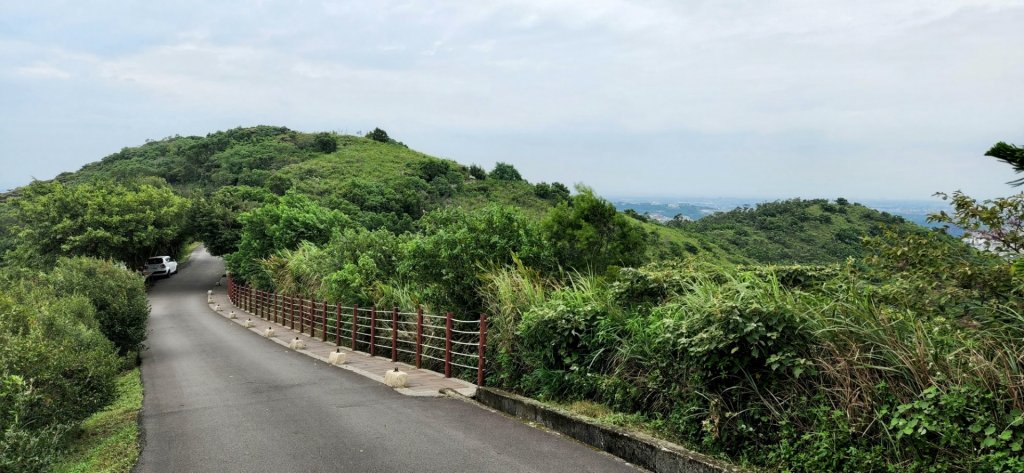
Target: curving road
{"x":221,"y":399}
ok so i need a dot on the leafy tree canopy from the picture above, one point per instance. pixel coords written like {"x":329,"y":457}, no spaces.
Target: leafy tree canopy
{"x":505,"y":172}
{"x":278,"y":226}
{"x":1009,"y":154}
{"x":122,"y":222}
{"x":379,"y":135}
{"x":587,"y":233}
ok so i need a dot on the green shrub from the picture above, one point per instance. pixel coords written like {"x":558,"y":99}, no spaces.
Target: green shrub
{"x":456,"y":247}
{"x":325,"y":143}
{"x":586,"y":233}
{"x":56,"y":369}
{"x":505,"y":172}
{"x":278,"y":226}
{"x":118,"y":295}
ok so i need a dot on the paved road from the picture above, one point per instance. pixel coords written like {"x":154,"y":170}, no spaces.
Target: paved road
{"x":222,"y":399}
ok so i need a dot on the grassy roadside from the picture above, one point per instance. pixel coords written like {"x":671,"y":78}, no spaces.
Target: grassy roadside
{"x":186,"y":252}
{"x":109,"y":440}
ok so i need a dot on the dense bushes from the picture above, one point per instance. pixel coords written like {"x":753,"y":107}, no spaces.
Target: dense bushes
{"x":117,"y":295}
{"x":440,"y":264}
{"x":588,"y":234}
{"x":277,"y":226}
{"x":56,"y":366}
{"x":838,"y":369}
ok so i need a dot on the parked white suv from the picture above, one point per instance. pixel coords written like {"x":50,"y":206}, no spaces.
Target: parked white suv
{"x":161,"y":266}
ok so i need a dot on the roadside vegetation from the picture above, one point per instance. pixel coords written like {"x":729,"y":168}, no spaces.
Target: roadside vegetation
{"x":107,"y":441}
{"x":73,"y":318}
{"x":800,"y":335}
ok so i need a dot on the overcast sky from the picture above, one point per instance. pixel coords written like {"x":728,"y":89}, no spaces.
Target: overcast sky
{"x":758,"y":98}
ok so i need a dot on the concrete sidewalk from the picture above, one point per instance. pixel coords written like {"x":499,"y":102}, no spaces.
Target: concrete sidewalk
{"x":422,"y":382}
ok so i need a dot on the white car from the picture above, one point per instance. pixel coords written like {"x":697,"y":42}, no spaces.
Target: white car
{"x":161,"y":266}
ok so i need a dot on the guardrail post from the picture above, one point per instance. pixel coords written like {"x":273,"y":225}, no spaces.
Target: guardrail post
{"x":337,"y":323}
{"x":419,"y":335}
{"x":312,"y":318}
{"x":302,"y":315}
{"x":323,"y":334}
{"x":480,"y":365}
{"x":448,"y":345}
{"x":355,"y":325}
{"x":373,"y":329}
{"x":394,"y":334}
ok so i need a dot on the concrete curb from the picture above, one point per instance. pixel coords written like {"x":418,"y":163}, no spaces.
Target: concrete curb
{"x":644,"y":451}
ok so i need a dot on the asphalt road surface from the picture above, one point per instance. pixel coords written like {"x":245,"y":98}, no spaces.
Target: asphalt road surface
{"x":222,"y":399}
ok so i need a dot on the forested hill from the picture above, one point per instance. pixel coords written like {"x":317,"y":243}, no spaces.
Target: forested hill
{"x":377,"y":181}
{"x":374,"y":177}
{"x":380,"y":183}
{"x":796,"y":230}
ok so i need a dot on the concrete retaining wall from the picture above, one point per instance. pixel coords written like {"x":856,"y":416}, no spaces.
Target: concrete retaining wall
{"x":641,"y":450}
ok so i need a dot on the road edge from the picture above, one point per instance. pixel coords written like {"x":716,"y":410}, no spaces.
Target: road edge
{"x":638,"y":449}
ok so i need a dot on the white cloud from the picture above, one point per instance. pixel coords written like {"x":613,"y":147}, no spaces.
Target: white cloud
{"x":912,"y":78}
{"x":42,"y":71}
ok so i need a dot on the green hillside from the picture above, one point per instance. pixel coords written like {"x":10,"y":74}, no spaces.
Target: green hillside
{"x":385,"y":184}
{"x":796,"y":231}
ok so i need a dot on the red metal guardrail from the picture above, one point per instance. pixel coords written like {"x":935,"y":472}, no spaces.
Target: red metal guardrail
{"x":415,"y":337}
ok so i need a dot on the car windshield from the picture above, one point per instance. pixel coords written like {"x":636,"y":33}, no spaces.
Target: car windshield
{"x":155,"y":261}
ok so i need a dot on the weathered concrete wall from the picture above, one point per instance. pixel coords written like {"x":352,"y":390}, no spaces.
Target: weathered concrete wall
{"x":641,"y":450}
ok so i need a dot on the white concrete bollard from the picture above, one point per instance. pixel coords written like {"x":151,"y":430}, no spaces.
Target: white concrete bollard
{"x":248,"y":323}
{"x":297,"y":344}
{"x":209,"y":297}
{"x":232,"y":315}
{"x":269,"y":332}
{"x":336,"y":358}
{"x":396,"y":379}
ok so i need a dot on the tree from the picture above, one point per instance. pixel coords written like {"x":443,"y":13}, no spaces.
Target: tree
{"x":996,"y":224}
{"x":505,"y":172}
{"x":457,"y":246}
{"x":281,"y":225}
{"x":325,"y":143}
{"x":555,"y":192}
{"x":477,"y":172}
{"x":587,"y":233}
{"x":214,"y":220}
{"x":1010,"y":154}
{"x":378,"y":135}
{"x":122,"y":222}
